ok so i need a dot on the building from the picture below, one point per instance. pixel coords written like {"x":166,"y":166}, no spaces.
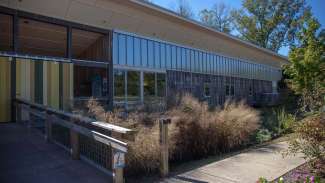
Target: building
{"x":123,"y":52}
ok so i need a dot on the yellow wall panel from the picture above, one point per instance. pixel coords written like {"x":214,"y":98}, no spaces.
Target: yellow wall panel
{"x":5,"y":102}
{"x":53,"y":99}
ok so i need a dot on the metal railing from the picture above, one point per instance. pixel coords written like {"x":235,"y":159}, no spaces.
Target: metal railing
{"x":98,"y":143}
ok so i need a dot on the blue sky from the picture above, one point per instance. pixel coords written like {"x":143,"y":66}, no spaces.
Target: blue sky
{"x":197,"y":5}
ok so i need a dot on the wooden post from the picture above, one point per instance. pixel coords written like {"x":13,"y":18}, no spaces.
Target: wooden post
{"x":48,"y":127}
{"x":75,"y":148}
{"x":118,"y":163}
{"x":164,"y":164}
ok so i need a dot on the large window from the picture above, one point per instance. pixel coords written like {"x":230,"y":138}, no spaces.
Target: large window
{"x":39,"y":38}
{"x":119,"y":85}
{"x":161,"y":85}
{"x":90,"y":82}
{"x":149,"y":85}
{"x":89,"y":45}
{"x":133,"y":86}
{"x":6,"y":38}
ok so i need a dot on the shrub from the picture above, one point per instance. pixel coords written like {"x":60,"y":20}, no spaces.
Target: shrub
{"x":309,"y":137}
{"x":263,"y":135}
{"x":202,"y":132}
{"x":196,"y":131}
{"x":278,"y":121}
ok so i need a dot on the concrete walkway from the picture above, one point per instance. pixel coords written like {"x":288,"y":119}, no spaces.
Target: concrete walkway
{"x":245,"y":167}
{"x":27,"y":158}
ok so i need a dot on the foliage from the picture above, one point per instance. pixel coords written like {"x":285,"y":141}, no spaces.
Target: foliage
{"x":309,"y":138}
{"x":263,"y":135}
{"x":270,"y":24}
{"x":219,"y":18}
{"x":278,"y":121}
{"x":203,"y":132}
{"x":307,"y":179}
{"x":184,"y":9}
{"x":196,"y":131}
{"x":306,"y":71}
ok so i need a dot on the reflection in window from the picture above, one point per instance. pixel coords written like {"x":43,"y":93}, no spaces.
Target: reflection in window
{"x":89,"y":45}
{"x":150,"y":54}
{"x":149,"y":84}
{"x":90,"y":81}
{"x":133,"y":86}
{"x":39,"y":38}
{"x":119,"y":85}
{"x":206,"y":90}
{"x":161,"y":85}
{"x":130,"y":51}
{"x":6,"y":38}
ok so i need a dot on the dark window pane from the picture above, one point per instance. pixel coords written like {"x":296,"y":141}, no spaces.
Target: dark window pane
{"x":89,"y":45}
{"x":39,"y":38}
{"x":161,"y":85}
{"x":133,"y":80}
{"x":6,"y":38}
{"x":206,"y":90}
{"x":90,"y":81}
{"x":119,"y":85}
{"x":38,"y":83}
{"x":149,"y":85}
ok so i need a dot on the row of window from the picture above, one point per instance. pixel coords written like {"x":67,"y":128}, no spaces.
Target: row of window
{"x":136,"y":51}
{"x":134,"y":86}
{"x":47,"y":39}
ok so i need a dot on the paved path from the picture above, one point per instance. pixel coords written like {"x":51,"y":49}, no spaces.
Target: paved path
{"x":27,"y":158}
{"x":245,"y":167}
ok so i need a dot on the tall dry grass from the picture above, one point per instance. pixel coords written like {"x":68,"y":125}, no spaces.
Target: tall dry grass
{"x":196,"y":131}
{"x":203,"y":132}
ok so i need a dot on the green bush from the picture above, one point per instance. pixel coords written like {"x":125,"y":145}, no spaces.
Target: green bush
{"x":263,"y":135}
{"x":278,"y":121}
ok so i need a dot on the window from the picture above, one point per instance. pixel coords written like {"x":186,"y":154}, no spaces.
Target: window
{"x":161,"y":85}
{"x":91,"y":45}
{"x":39,"y":38}
{"x":157,"y":55}
{"x":119,"y":85}
{"x":129,"y":56}
{"x":149,"y":85}
{"x":230,"y":87}
{"x":6,"y":30}
{"x":137,"y":52}
{"x":151,"y":58}
{"x":250,"y":91}
{"x":206,"y":90}
{"x":133,"y":86}
{"x":90,"y":81}
{"x":121,"y":50}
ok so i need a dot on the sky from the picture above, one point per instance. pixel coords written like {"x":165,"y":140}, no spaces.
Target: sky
{"x":198,"y":5}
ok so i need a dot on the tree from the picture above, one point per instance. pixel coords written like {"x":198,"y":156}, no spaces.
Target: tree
{"x":184,"y":9}
{"x":306,"y":71}
{"x":271,"y":24}
{"x":219,"y":17}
